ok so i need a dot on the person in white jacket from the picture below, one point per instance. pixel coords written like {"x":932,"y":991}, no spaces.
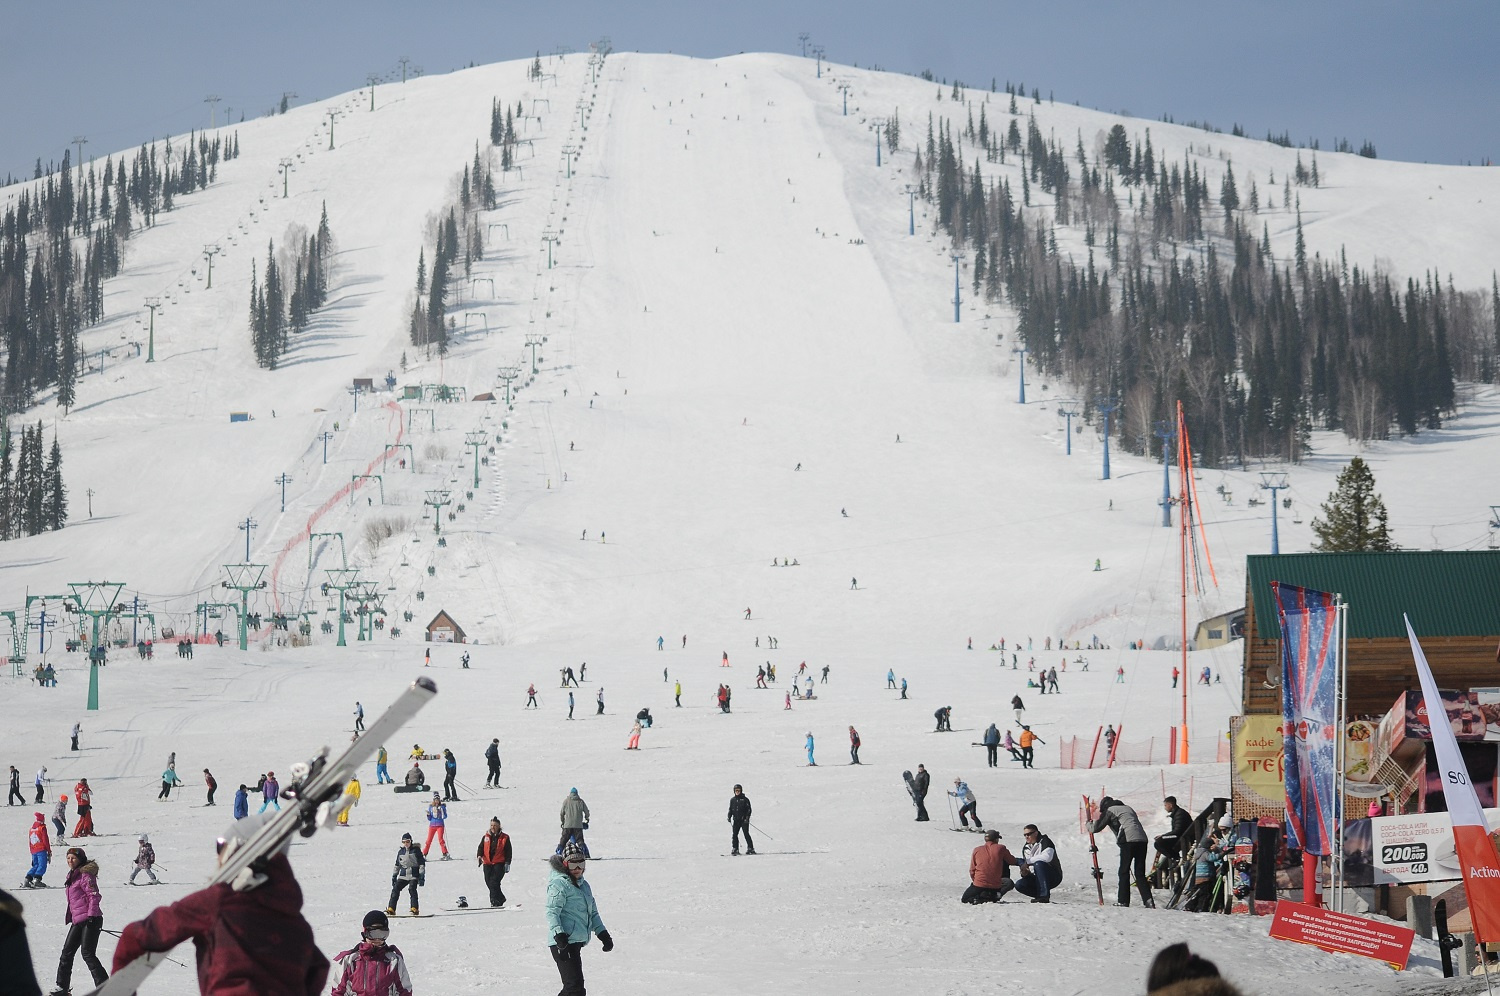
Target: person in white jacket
{"x":967,"y":804}
{"x":1041,"y":871}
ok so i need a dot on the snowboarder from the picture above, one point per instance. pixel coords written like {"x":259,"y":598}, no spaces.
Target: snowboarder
{"x":437,"y":819}
{"x":1131,"y":838}
{"x":410,"y":872}
{"x":747,"y":613}
{"x":989,"y":871}
{"x":531,"y":697}
{"x":415,"y":780}
{"x":492,"y":758}
{"x":41,"y":853}
{"x":352,"y":792}
{"x":145,"y":858}
{"x":450,"y":775}
{"x":382,"y":773}
{"x":241,"y":802}
{"x":890,"y":678}
{"x":739,"y":821}
{"x":1018,"y":706}
{"x":15,"y":788}
{"x":967,"y":804}
{"x":1028,"y":740}
{"x":991,"y":741}
{"x":84,"y":918}
{"x":253,"y":940}
{"x":853,"y":583}
{"x":574,"y":817}
{"x":359,"y":717}
{"x":853,"y":745}
{"x":810,"y":762}
{"x":211,"y":784}
{"x":635,"y":737}
{"x":372,"y":967}
{"x":493,"y":855}
{"x":270,"y":792}
{"x":571,"y":917}
{"x":464,"y":660}
{"x":921,"y":781}
{"x":169,"y":781}
{"x":1041,"y":871}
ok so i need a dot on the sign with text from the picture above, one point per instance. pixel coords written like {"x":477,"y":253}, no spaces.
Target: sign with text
{"x":1416,"y":848}
{"x":1344,"y":932}
{"x":1257,"y":774}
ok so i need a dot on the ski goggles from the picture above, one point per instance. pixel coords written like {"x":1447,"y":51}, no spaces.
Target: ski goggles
{"x":377,"y":934}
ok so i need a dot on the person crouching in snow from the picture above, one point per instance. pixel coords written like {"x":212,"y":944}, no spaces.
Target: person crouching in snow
{"x":372,"y":967}
{"x":250,"y":935}
{"x":989,"y":871}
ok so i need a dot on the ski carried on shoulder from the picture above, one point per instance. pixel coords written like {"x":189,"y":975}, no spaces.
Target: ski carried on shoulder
{"x":316,"y":794}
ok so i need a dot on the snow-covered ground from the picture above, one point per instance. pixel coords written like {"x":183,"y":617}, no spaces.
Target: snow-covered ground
{"x":734,"y":297}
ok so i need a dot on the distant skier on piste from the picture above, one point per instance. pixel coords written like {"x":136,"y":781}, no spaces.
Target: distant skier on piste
{"x":493,"y":855}
{"x":492,"y":759}
{"x":739,"y":821}
{"x":574,"y":817}
{"x":967,"y":804}
{"x":409,"y":873}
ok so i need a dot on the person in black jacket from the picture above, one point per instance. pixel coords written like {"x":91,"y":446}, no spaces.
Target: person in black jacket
{"x":739,"y":821}
{"x":15,"y":787}
{"x":450,"y":775}
{"x":492,"y":758}
{"x":16,"y":972}
{"x":921,"y":780}
{"x":1170,"y":843}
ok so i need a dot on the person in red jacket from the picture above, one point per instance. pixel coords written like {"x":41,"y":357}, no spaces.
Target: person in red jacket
{"x":250,"y":936}
{"x":493,"y":855}
{"x":41,"y":853}
{"x":83,"y":798}
{"x":989,"y":871}
{"x":372,"y":967}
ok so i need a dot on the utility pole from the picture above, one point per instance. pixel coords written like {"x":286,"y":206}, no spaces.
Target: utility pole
{"x":1068,"y":413}
{"x":404,"y":62}
{"x":802,"y":37}
{"x":286,"y":168}
{"x":1273,"y":482}
{"x":550,"y":237}
{"x":877,"y":124}
{"x":1107,"y":406}
{"x":533,"y":340}
{"x":332,"y":117}
{"x":209,"y":252}
{"x":325,"y":437}
{"x":1166,"y":431}
{"x":283,"y":480}
{"x":818,"y":53}
{"x":153,"y":305}
{"x":437,"y":498}
{"x":212,"y":101}
{"x":80,"y":141}
{"x":508,"y":374}
{"x":911,"y":210}
{"x":248,"y":525}
{"x":1021,"y":351}
{"x":957,"y":257}
{"x":372,"y":79}
{"x":844,"y":88}
{"x":244,"y":578}
{"x":476,"y":438}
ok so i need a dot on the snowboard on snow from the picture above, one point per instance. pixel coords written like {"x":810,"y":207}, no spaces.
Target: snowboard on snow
{"x":314,"y":792}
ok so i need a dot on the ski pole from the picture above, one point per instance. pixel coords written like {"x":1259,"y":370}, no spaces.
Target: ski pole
{"x":174,"y":961}
{"x":760,"y":831}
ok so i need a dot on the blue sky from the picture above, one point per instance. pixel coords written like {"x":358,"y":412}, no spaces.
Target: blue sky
{"x":1418,"y":80}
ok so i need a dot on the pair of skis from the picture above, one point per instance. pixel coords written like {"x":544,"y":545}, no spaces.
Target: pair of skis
{"x":1088,"y":809}
{"x":316,"y":794}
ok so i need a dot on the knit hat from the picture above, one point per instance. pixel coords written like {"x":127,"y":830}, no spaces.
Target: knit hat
{"x":406,"y":836}
{"x":375,"y":920}
{"x":572,"y":853}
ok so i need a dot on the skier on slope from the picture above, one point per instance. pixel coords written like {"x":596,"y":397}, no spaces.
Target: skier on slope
{"x":409,"y":873}
{"x":810,"y":762}
{"x":574,"y":817}
{"x":739,"y":822}
{"x":853,"y":745}
{"x":450,"y":775}
{"x":60,"y":817}
{"x":437,"y":819}
{"x":169,"y":781}
{"x":372,"y":967}
{"x":1131,"y":837}
{"x":493,"y":855}
{"x":382,"y":773}
{"x":145,"y":858}
{"x":83,"y":798}
{"x":85,"y":921}
{"x":41,"y":853}
{"x":967,"y":804}
{"x":531,"y":697}
{"x":492,"y":758}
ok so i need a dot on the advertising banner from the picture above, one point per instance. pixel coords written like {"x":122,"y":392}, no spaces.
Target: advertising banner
{"x":1477,"y":857}
{"x":1309,"y":661}
{"x":1415,"y":848}
{"x":1345,"y":932}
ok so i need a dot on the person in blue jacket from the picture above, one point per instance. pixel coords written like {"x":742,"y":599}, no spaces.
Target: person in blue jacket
{"x":572,"y":916}
{"x":810,"y":760}
{"x":241,"y":803}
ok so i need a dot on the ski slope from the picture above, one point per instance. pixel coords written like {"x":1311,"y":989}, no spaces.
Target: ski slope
{"x":734,"y":296}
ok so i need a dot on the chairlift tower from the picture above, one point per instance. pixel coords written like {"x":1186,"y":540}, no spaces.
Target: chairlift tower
{"x":844,"y":88}
{"x":342,"y":580}
{"x":533,"y":340}
{"x":283,"y":480}
{"x":911,"y":210}
{"x":247,"y":525}
{"x":1107,"y":407}
{"x":818,"y":54}
{"x":153,"y":305}
{"x":209,"y":252}
{"x":1166,"y":431}
{"x":1021,"y":352}
{"x":508,"y":374}
{"x":285,"y":167}
{"x":95,"y":599}
{"x":878,"y":124}
{"x":1068,"y":413}
{"x":437,"y":498}
{"x":1273,"y":482}
{"x":550,"y":237}
{"x":244,"y":578}
{"x":957,"y":256}
{"x":477,"y":438}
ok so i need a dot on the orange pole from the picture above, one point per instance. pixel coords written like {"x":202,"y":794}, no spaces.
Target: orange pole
{"x":1184,"y":520}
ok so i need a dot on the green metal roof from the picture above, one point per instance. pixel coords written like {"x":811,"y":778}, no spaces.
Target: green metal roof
{"x":1446,"y":594}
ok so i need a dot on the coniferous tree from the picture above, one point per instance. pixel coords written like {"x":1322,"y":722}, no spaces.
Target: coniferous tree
{"x":1354,"y":518}
{"x":55,"y":503}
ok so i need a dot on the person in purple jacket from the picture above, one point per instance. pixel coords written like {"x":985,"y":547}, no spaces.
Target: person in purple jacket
{"x":84,"y":918}
{"x":269,"y":792}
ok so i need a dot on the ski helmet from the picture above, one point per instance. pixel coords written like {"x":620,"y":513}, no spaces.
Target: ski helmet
{"x":375,"y":920}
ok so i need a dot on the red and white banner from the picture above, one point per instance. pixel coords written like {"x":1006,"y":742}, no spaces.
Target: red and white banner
{"x":1332,"y":931}
{"x":1471,"y":835}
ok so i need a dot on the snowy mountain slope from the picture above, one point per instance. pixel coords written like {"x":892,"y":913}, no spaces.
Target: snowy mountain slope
{"x":734,"y":295}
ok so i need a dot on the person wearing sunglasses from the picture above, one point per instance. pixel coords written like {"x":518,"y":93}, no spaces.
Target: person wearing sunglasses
{"x":1041,"y":871}
{"x":373,"y":967}
{"x":249,"y":934}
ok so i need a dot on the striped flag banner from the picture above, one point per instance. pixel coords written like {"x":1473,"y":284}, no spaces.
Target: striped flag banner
{"x":1471,"y":834}
{"x":1309,"y":713}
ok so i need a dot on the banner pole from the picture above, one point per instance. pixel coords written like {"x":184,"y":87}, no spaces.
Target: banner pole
{"x":1340,"y":747}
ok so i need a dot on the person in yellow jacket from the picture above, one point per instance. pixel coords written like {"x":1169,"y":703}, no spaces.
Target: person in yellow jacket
{"x":350,"y":800}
